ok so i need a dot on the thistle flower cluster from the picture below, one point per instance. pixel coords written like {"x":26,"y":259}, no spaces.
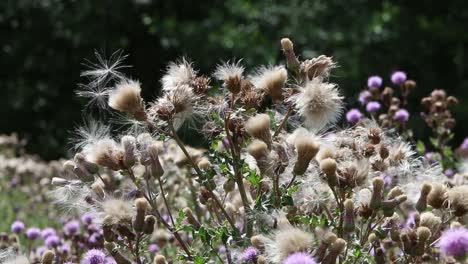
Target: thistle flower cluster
{"x":277,"y":182}
{"x":385,"y":104}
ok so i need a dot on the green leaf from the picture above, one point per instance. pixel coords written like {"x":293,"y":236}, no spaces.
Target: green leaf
{"x":421,"y":147}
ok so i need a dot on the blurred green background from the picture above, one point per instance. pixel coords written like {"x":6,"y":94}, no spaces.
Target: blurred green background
{"x":44,"y":43}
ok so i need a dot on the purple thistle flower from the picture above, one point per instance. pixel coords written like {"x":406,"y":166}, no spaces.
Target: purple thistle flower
{"x":109,"y":260}
{"x":374,"y":81}
{"x":449,"y":173}
{"x":65,"y":249}
{"x":48,"y":231}
{"x":373,"y":106}
{"x":71,"y":228}
{"x":94,"y":238}
{"x":33,"y":233}
{"x":52,"y":241}
{"x":364,"y":97}
{"x":153,"y":248}
{"x":94,"y":256}
{"x":299,"y":258}
{"x":464,"y":145}
{"x":454,"y":242}
{"x":401,"y":116}
{"x":353,"y":116}
{"x":398,"y":77}
{"x":249,"y":254}
{"x":87,"y":218}
{"x":17,"y":227}
{"x":40,"y":250}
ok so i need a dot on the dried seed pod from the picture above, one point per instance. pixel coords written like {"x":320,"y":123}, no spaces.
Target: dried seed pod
{"x":421,"y":204}
{"x":115,"y":253}
{"x":48,"y":257}
{"x":149,"y":224}
{"x":349,"y":216}
{"x":377,"y":193}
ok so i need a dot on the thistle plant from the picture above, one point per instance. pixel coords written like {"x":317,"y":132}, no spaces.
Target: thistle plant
{"x":276,"y":182}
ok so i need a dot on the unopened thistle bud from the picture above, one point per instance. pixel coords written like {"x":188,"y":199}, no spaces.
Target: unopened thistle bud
{"x":139,"y":220}
{"x":337,"y":247}
{"x":98,"y":189}
{"x":156,"y":167}
{"x":373,"y":239}
{"x":306,"y":150}
{"x":56,"y":181}
{"x":383,"y":152}
{"x":258,"y":242}
{"x":437,"y":195}
{"x":392,"y":203}
{"x":149,"y":224}
{"x":423,"y":234}
{"x":394,"y":192}
{"x":261,"y":260}
{"x":430,"y":221}
{"x":69,"y":166}
{"x":379,"y":255}
{"x":48,"y":257}
{"x":291,"y":59}
{"x":129,"y":147}
{"x":328,"y":166}
{"x":327,"y":239}
{"x":389,"y":206}
{"x":451,"y":101}
{"x":259,"y":127}
{"x":81,"y":160}
{"x":159,"y":259}
{"x":377,"y":192}
{"x":108,"y":233}
{"x":115,"y":253}
{"x":258,"y":149}
{"x":204,"y":164}
{"x":191,"y":218}
{"x":458,"y":200}
{"x":125,"y":97}
{"x":229,"y":185}
{"x":421,"y":204}
{"x":349,"y":216}
{"x":374,"y":135}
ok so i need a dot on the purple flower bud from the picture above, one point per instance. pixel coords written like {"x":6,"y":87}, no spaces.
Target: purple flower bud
{"x":52,"y":241}
{"x":374,"y":81}
{"x":109,"y":260}
{"x":48,"y":231}
{"x":153,"y":248}
{"x":449,"y":173}
{"x":33,"y":233}
{"x":93,"y":228}
{"x":353,"y":116}
{"x":40,"y":250}
{"x":249,"y":254}
{"x":401,"y":116}
{"x":87,"y":218}
{"x":71,"y":228}
{"x":299,"y":258}
{"x":364,"y":97}
{"x":65,"y":249}
{"x":373,"y":106}
{"x":464,"y":145}
{"x":94,"y":256}
{"x":398,"y":77}
{"x":432,"y":157}
{"x":17,"y":227}
{"x":454,"y":242}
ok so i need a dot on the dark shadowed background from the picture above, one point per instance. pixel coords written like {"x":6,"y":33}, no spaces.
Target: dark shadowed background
{"x":44,"y":43}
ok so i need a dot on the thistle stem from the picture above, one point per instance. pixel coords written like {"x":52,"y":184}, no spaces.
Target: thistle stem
{"x":283,"y":122}
{"x":200,"y":174}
